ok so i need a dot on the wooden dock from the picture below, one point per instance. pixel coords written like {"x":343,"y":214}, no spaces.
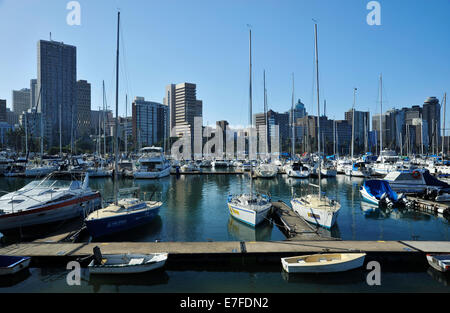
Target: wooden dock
{"x":295,"y":227}
{"x":188,"y":254}
{"x":428,"y":206}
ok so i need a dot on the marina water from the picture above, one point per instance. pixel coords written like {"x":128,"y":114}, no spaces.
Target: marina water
{"x":195,"y":210}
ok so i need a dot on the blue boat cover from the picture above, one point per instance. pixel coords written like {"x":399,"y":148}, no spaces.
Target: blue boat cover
{"x":379,"y":187}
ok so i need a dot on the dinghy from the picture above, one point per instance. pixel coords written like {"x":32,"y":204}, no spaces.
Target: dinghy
{"x":125,"y":263}
{"x":10,"y":265}
{"x":440,"y":262}
{"x":323,"y":263}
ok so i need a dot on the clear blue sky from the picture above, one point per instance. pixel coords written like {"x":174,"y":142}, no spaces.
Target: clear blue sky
{"x":206,"y":42}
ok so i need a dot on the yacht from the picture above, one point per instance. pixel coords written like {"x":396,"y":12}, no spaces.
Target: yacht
{"x":152,"y":164}
{"x":297,"y":170}
{"x":417,"y":181}
{"x":49,"y":200}
{"x":220,"y":164}
{"x":358,"y":169}
{"x":266,"y":170}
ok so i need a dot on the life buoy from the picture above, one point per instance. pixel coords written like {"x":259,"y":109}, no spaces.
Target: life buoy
{"x":416,"y":174}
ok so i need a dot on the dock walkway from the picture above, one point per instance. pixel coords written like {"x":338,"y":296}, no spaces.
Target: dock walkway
{"x":294,"y":226}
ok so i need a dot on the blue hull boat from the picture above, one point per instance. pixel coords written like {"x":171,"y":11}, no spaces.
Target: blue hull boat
{"x":125,"y":216}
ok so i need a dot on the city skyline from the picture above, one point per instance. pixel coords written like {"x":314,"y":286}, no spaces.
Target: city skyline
{"x":361,"y":57}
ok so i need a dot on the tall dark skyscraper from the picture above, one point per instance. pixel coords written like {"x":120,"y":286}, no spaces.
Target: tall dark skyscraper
{"x":57,"y":75}
{"x":432,"y":115}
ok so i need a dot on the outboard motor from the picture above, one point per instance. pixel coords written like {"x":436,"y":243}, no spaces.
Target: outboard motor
{"x":97,"y":256}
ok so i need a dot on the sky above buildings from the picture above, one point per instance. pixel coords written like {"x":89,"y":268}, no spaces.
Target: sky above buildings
{"x":206,"y":42}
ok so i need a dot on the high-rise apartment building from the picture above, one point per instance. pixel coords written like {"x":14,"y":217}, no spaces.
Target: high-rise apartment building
{"x":83,"y":107}
{"x":21,"y":100}
{"x":149,"y":121}
{"x":181,"y":101}
{"x":33,"y":93}
{"x":361,"y":124}
{"x":57,"y":81}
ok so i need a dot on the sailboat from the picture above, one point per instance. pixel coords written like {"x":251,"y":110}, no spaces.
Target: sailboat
{"x":126,"y":213}
{"x":252,"y":208}
{"x":317,"y":208}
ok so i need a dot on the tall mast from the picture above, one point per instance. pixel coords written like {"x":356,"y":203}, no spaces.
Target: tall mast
{"x":104,"y":121}
{"x":250,"y":119}
{"x":443,"y":137}
{"x":126,"y":125}
{"x":381,"y":117}
{"x":318,"y":110}
{"x":353,"y":120}
{"x":265,"y":116}
{"x":116,"y":167}
{"x":292,"y":117}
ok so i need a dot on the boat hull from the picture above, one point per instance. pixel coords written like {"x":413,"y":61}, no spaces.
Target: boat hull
{"x":51,"y":213}
{"x":123,"y":269}
{"x":152,"y":175}
{"x":326,"y":267}
{"x":10,"y":265}
{"x":323,"y":218}
{"x":115,"y":224}
{"x":249,"y":217}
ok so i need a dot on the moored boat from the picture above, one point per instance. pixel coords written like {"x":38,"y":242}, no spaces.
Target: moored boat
{"x":126,"y":263}
{"x":323,"y":263}
{"x":126,"y":214}
{"x":440,"y":262}
{"x":50,"y":200}
{"x":380,"y":193}
{"x":10,"y":265}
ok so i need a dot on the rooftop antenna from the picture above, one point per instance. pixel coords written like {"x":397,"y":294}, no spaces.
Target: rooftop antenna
{"x":50,"y":36}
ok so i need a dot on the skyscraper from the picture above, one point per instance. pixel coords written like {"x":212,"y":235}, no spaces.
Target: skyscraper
{"x":83,"y":107}
{"x":361,"y":124}
{"x":432,"y":115}
{"x":21,"y":100}
{"x":181,"y":100}
{"x":149,"y":122}
{"x":33,"y":93}
{"x":57,"y":80}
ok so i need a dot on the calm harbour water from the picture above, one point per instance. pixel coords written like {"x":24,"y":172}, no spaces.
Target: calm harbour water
{"x":195,"y":210}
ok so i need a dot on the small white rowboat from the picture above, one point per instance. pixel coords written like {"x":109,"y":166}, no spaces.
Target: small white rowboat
{"x":127,"y":263}
{"x":440,"y":262}
{"x":323,"y":263}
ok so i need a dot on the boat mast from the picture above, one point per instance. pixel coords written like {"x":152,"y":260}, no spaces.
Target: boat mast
{"x":126,"y":124}
{"x":381,"y":117}
{"x":443,"y":137}
{"x":104,"y":122}
{"x":116,"y":167}
{"x":353,"y":120}
{"x":292,"y":117}
{"x":250,"y":118}
{"x":265,"y":116}
{"x":318,"y":110}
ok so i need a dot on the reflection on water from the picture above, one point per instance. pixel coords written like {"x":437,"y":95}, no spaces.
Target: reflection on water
{"x":242,"y":232}
{"x":195,"y":209}
{"x":352,"y":277}
{"x":443,"y":278}
{"x":106,"y":283}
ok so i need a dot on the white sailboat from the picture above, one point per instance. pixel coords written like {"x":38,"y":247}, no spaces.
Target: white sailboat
{"x":317,"y":208}
{"x":252,"y":208}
